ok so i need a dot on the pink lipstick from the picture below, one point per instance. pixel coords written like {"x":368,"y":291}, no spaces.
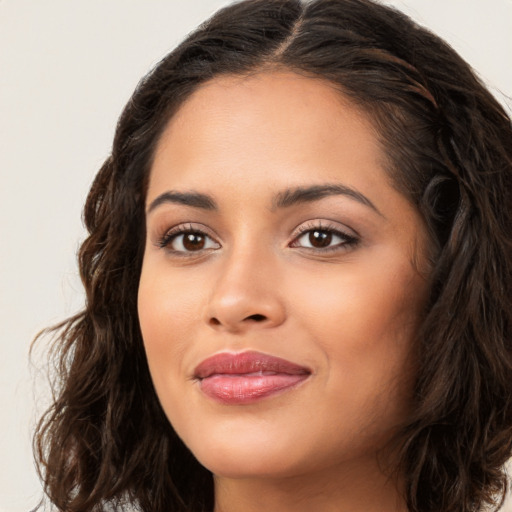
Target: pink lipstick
{"x":247,"y":377}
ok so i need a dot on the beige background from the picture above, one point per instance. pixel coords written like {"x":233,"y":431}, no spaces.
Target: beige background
{"x":66,"y":70}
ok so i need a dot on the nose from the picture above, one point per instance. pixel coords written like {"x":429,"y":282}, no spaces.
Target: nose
{"x":245,"y":296}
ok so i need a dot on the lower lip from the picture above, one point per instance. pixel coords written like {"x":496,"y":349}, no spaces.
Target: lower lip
{"x":246,"y":388}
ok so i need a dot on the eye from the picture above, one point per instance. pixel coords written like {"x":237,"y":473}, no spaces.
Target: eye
{"x":187,"y":240}
{"x":323,"y":238}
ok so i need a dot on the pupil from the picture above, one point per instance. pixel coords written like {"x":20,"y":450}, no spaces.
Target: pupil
{"x":193,"y":241}
{"x":320,"y":238}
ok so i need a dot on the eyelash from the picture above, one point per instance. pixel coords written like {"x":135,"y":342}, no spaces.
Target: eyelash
{"x":348,"y":241}
{"x":171,"y":235}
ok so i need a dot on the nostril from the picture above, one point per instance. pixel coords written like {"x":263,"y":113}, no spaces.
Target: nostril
{"x":256,"y":318}
{"x":230,"y":323}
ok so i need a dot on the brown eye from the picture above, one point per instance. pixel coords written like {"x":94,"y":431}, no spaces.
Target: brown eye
{"x":320,"y":239}
{"x":193,"y":241}
{"x":188,"y":241}
{"x":324,"y":239}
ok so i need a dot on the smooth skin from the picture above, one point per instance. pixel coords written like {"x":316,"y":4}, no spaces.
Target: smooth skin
{"x":273,"y":226}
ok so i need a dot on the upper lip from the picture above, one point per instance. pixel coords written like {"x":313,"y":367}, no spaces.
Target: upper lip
{"x":246,"y":362}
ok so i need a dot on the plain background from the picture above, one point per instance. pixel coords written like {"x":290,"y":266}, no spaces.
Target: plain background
{"x":66,"y":70}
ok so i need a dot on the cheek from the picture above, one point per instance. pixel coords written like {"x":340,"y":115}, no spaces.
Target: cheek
{"x":364,"y":317}
{"x":168,"y":316}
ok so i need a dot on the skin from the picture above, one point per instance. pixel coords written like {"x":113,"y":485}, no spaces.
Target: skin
{"x":348,"y":312}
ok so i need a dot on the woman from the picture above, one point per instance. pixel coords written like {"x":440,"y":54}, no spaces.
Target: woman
{"x":298,"y":278}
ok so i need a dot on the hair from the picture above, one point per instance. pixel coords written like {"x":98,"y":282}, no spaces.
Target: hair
{"x":105,"y":442}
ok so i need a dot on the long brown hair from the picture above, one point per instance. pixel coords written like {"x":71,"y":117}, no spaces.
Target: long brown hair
{"x":106,"y":442}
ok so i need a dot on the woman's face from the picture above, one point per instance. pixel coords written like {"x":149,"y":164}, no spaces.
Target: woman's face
{"x":283,"y":279}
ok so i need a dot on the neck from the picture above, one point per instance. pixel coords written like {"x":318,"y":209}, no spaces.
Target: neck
{"x":354,"y":489}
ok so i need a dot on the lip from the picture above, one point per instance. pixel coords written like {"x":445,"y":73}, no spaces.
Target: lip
{"x":247,"y":377}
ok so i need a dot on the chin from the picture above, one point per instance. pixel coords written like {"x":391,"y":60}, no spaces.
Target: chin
{"x":257,"y":463}
{"x":253,"y":449}
{"x":246,"y":451}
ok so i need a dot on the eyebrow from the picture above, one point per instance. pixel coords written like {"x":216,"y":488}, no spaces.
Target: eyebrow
{"x":285,"y":199}
{"x":193,"y":199}
{"x":299,"y":195}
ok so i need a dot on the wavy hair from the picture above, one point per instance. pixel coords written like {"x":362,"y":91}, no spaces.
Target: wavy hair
{"x":105,"y":442}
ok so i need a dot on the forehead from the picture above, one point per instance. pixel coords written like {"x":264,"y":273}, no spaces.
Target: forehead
{"x":270,"y":123}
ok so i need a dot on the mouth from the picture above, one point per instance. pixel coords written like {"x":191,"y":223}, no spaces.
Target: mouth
{"x":247,"y":377}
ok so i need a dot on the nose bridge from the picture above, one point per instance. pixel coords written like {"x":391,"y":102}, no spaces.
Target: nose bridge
{"x":244,"y":292}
